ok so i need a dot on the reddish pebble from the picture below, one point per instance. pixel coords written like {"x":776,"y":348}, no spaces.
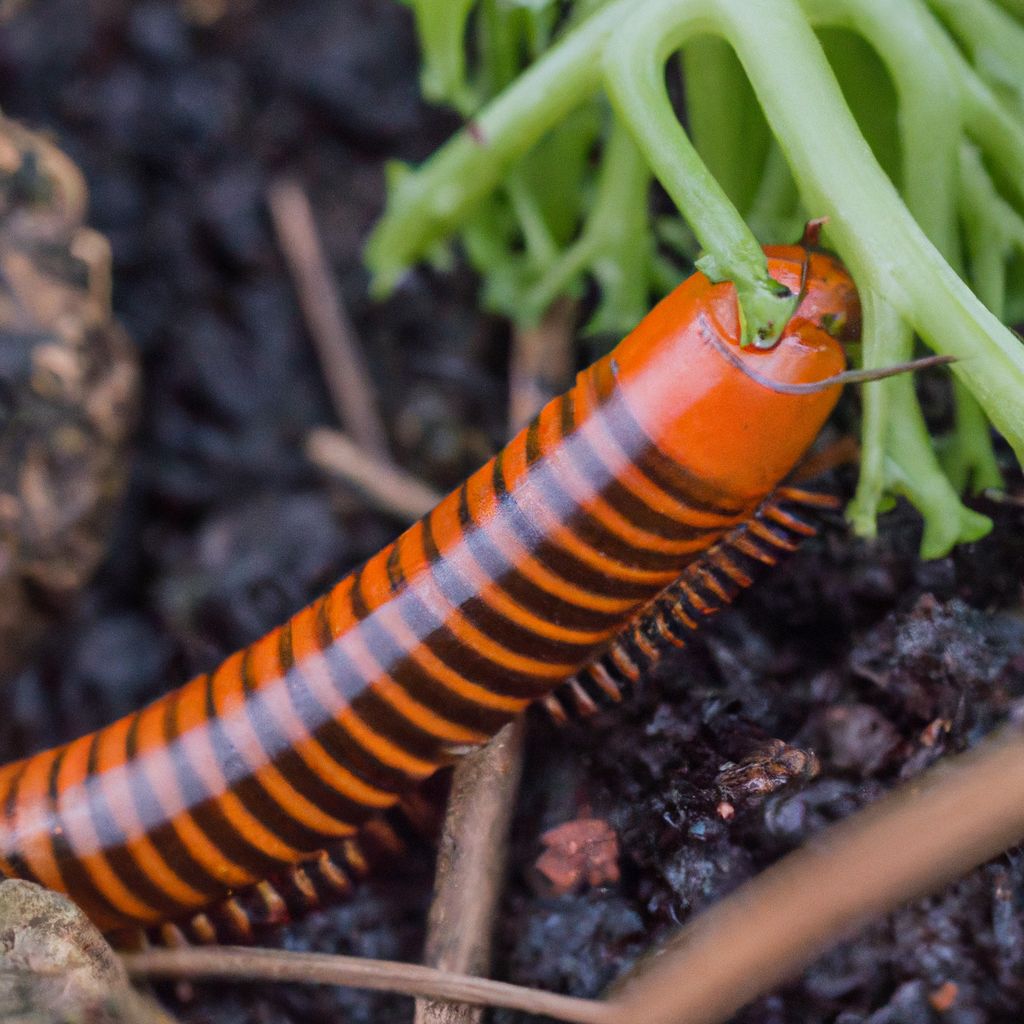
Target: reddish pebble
{"x":933,"y":730}
{"x":581,"y":852}
{"x":944,"y":996}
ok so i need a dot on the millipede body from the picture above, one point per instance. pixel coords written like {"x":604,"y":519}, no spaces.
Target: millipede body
{"x":512,"y":584}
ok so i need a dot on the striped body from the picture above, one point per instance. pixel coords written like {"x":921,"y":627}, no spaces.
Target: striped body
{"x":517,"y":580}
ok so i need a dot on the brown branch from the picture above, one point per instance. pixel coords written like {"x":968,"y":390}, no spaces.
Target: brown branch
{"x":341,"y":358}
{"x":384,"y":483}
{"x":472,"y":852}
{"x":541,"y":363}
{"x":471,"y":867}
{"x":930,"y":831}
{"x":381,"y":975}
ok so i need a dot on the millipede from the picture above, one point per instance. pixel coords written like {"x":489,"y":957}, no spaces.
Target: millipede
{"x":634,"y":505}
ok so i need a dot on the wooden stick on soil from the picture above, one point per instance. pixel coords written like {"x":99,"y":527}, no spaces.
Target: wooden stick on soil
{"x":246,"y":964}
{"x":472,"y":853}
{"x":344,"y":367}
{"x":361,"y":457}
{"x":471,"y":868}
{"x":384,"y":483}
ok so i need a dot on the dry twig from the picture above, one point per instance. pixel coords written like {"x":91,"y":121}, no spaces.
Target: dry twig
{"x":540,"y":363}
{"x":381,"y":975}
{"x":347,"y":377}
{"x":386,"y":484}
{"x":471,"y":867}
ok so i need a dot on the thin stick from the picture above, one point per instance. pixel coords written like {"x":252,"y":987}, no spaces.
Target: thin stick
{"x":540,"y":364}
{"x":1001,"y":497}
{"x":341,"y":358}
{"x":472,"y":853}
{"x":245,"y":964}
{"x":931,"y":830}
{"x":471,"y":868}
{"x":389,"y":487}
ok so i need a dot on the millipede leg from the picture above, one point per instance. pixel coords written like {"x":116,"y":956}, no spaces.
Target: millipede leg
{"x":705,"y":586}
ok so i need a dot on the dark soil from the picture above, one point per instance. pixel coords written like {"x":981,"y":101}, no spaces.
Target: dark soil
{"x":180,"y":115}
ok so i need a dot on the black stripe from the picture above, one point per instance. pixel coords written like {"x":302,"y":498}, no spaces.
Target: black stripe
{"x":74,"y":878}
{"x":394,"y":566}
{"x":204,"y":807}
{"x":439,"y":639}
{"x":552,"y":607}
{"x":561,"y":563}
{"x":337,"y":742}
{"x":511,"y":635}
{"x":369,"y":705}
{"x":15,"y":858}
{"x":682,"y":484}
{"x":587,"y":527}
{"x":445,"y":644}
{"x":264,"y":807}
{"x":416,"y":680}
{"x":113,"y":843}
{"x":630,"y":506}
{"x":298,"y":774}
{"x":164,"y":837}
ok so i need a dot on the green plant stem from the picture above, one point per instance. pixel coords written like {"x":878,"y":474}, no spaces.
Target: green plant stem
{"x":909,"y":26}
{"x":426,"y":205}
{"x":994,"y":40}
{"x":969,"y":458}
{"x":723,"y":118}
{"x":634,"y":74}
{"x":930,"y":114}
{"x":992,"y":229}
{"x":775,"y":213}
{"x":500,"y":40}
{"x":896,"y":452}
{"x":913,"y":470}
{"x":441,"y":27}
{"x":871,"y":228}
{"x":887,"y":341}
{"x":540,"y":246}
{"x":987,"y":121}
{"x":1015,"y":7}
{"x":616,"y":241}
{"x":930,"y":130}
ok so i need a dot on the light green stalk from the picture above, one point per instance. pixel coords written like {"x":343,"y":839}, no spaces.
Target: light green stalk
{"x":441,"y":27}
{"x":871,"y":228}
{"x":615,"y":244}
{"x":931,"y":129}
{"x":897,"y":454}
{"x":994,"y":40}
{"x":775,"y":211}
{"x":634,"y":61}
{"x":724,"y":120}
{"x":426,"y":205}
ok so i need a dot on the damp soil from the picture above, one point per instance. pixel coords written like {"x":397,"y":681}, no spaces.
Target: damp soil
{"x":181,"y":115}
